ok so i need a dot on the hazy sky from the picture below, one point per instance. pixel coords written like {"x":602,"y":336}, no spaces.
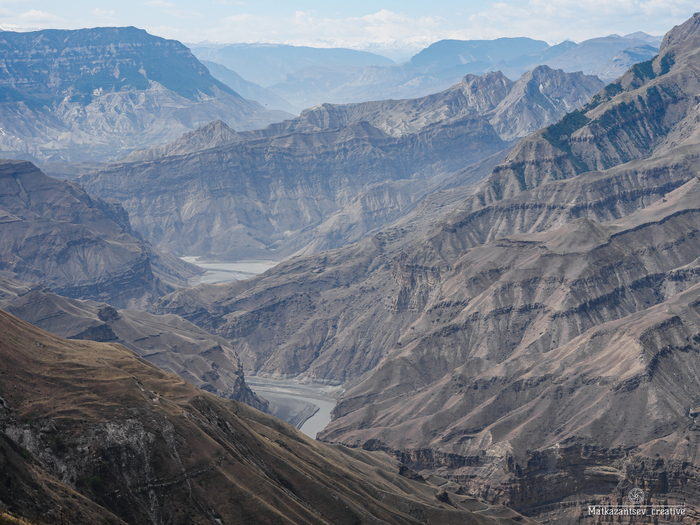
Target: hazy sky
{"x":391,"y":27}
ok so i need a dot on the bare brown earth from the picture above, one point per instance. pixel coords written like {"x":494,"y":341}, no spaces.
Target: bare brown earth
{"x":150,"y":448}
{"x":80,"y":246}
{"x":168,"y":341}
{"x":540,"y":338}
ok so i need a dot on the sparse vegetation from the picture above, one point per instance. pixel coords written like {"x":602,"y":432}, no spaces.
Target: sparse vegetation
{"x":58,"y":444}
{"x":644,"y":70}
{"x":610,"y":91}
{"x":11,"y":519}
{"x":667,"y":62}
{"x":95,"y":483}
{"x":557,"y":134}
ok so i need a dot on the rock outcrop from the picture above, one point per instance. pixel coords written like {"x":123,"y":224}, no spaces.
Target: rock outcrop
{"x":168,"y":341}
{"x":271,"y":193}
{"x":97,"y":94}
{"x":79,"y":246}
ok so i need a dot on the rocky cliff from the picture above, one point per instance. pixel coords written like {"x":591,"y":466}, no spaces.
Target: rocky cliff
{"x":272,"y":192}
{"x":82,"y":247}
{"x":260,"y":195}
{"x":96,"y":94}
{"x":94,"y":423}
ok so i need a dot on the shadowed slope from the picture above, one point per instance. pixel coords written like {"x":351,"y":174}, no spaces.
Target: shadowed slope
{"x":173,"y":344}
{"x":153,"y":449}
{"x":80,"y":246}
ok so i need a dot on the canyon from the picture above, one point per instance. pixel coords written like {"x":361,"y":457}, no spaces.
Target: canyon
{"x":542,"y":329}
{"x":499,"y":282}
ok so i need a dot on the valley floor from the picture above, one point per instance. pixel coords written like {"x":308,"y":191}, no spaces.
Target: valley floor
{"x":227,"y":272}
{"x":307,"y":407}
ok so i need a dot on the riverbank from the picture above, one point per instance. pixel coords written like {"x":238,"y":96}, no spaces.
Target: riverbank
{"x":226,"y":272}
{"x":306,"y":406}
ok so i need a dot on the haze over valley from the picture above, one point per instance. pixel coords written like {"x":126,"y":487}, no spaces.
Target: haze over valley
{"x":269,"y":282}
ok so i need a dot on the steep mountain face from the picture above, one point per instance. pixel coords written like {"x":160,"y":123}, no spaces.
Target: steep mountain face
{"x":30,"y":491}
{"x":515,"y":109}
{"x":213,"y":135}
{"x":54,"y":232}
{"x":541,"y":335}
{"x":93,"y":94}
{"x":650,"y":109}
{"x":93,"y":418}
{"x":173,"y":344}
{"x":268,"y":193}
{"x":259,"y":195}
{"x":541,"y":96}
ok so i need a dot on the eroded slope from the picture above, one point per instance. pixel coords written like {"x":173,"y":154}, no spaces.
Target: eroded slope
{"x":152,"y":449}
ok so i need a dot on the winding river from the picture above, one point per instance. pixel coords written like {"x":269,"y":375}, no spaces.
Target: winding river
{"x":307,"y":407}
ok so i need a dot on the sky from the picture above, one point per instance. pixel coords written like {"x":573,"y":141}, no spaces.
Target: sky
{"x":397,"y":29}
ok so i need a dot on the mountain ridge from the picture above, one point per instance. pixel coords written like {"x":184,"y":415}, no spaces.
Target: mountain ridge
{"x":81,"y":246}
{"x":93,"y":94}
{"x":534,"y":337}
{"x":149,"y":448}
{"x":363,"y":150}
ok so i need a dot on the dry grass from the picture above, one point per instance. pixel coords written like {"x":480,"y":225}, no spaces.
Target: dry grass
{"x":9,"y":519}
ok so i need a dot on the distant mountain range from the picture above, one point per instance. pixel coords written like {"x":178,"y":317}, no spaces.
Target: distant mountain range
{"x":77,"y":96}
{"x":343,"y":78}
{"x":95,"y":94}
{"x":268,"y":64}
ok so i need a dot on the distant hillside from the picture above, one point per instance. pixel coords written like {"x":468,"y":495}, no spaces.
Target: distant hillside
{"x":80,"y":246}
{"x":93,"y":94}
{"x":443,"y":63}
{"x":91,"y":433}
{"x":267,"y":64}
{"x":268,"y":192}
{"x":168,"y":341}
{"x":592,"y":55}
{"x":446,"y":54}
{"x":249,"y":90}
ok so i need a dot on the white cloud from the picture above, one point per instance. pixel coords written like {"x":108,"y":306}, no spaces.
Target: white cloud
{"x":556,"y":20}
{"x":159,"y":3}
{"x":170,"y":9}
{"x":102,"y":12}
{"x":35,"y":16}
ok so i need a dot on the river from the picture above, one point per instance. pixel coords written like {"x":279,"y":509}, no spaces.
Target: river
{"x":226,"y":272}
{"x":307,"y":407}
